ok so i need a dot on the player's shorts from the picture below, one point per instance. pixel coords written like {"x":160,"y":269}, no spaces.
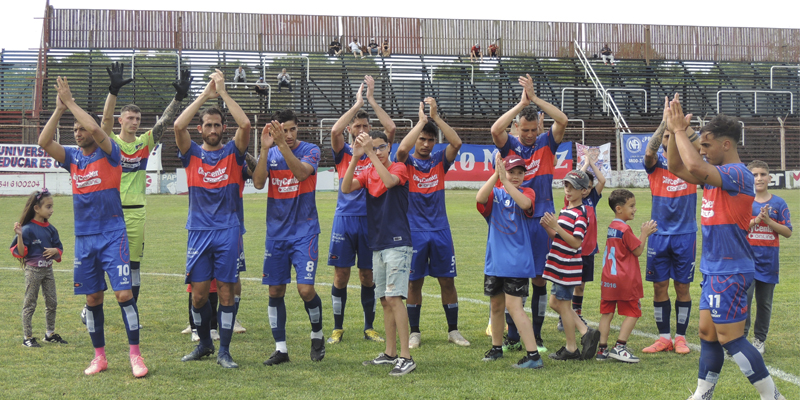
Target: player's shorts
{"x":563,"y":293}
{"x":540,"y":242}
{"x":134,"y":223}
{"x":280,"y":255}
{"x":433,"y":255}
{"x":240,"y":264}
{"x":671,"y":257}
{"x":588,"y":268}
{"x":213,"y":255}
{"x":627,"y":308}
{"x":348,"y":239}
{"x":725,"y":296}
{"x":390,"y":269}
{"x":103,"y":252}
{"x":494,"y":285}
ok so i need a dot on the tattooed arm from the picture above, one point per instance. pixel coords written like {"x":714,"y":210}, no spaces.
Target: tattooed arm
{"x":166,"y":118}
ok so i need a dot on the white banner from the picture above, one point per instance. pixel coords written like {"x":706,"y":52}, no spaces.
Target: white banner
{"x":20,"y":184}
{"x":603,"y":153}
{"x":26,"y":158}
{"x":154,"y":161}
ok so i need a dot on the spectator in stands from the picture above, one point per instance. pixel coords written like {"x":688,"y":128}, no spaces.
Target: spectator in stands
{"x":284,"y":79}
{"x":606,"y":54}
{"x":475,"y":53}
{"x":386,"y":50}
{"x":240,"y":75}
{"x":261,"y":87}
{"x":493,"y":51}
{"x":355,"y":47}
{"x":373,"y":48}
{"x":335,"y":48}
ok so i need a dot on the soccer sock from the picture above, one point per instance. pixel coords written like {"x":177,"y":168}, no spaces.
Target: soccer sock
{"x":683,"y":309}
{"x":413,"y":316}
{"x":130,"y":315}
{"x":711,"y":358}
{"x":225,"y":318}
{"x":577,"y":304}
{"x":339,"y":300}
{"x":621,"y":342}
{"x":368,"y":304}
{"x":534,"y":354}
{"x":661,"y":311}
{"x":602,"y":346}
{"x":538,"y":308}
{"x":451,"y":314}
{"x":236,"y":300}
{"x":749,"y":360}
{"x":135,"y":281}
{"x":513,"y":333}
{"x":95,"y":319}
{"x":277,"y":321}
{"x":314,"y":311}
{"x":202,"y":322}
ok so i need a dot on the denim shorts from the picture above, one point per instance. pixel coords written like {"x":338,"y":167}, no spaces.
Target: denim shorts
{"x":390,"y":269}
{"x":563,"y":293}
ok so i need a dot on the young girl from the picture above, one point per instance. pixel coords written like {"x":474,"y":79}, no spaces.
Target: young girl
{"x":36,"y":244}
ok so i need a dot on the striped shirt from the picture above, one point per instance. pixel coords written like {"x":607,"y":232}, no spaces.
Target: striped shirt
{"x":564,"y":265}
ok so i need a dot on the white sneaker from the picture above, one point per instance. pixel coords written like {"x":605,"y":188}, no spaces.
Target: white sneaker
{"x":759,"y":345}
{"x":237,"y":327}
{"x":188,"y":330}
{"x":455,"y":337}
{"x":195,"y":338}
{"x":622,"y":353}
{"x":414,"y":339}
{"x":214,"y":334}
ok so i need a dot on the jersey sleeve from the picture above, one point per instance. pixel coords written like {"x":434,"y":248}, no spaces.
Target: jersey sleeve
{"x":115,"y":157}
{"x":445,"y":162}
{"x":784,"y":216}
{"x":593,"y":196}
{"x":652,"y":169}
{"x":13,"y":248}
{"x":311,"y":157}
{"x":68,"y":158}
{"x":151,"y":143}
{"x":511,"y":142}
{"x":399,"y":170}
{"x":187,"y":157}
{"x":630,"y":240}
{"x":486,"y":209}
{"x":363,"y":178}
{"x":529,"y":193}
{"x":732,"y":179}
{"x":581,"y":223}
{"x":337,"y":157}
{"x":547,"y":140}
{"x":55,"y":240}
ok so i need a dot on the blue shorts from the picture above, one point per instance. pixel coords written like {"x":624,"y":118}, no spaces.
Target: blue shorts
{"x":240,"y":264}
{"x":671,"y":257}
{"x":562,"y":292}
{"x":433,"y":255}
{"x":725,"y":296}
{"x":280,"y":255}
{"x":103,"y":252}
{"x":348,"y":239}
{"x":540,"y":242}
{"x":213,"y":255}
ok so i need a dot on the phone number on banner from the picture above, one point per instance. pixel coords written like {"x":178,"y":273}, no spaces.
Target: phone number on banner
{"x":20,"y":184}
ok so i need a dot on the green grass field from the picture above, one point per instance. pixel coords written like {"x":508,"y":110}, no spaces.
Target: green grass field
{"x":444,"y":370}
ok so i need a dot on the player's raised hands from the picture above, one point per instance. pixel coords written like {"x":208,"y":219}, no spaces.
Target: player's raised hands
{"x":499,"y":165}
{"x":422,"y":117}
{"x":210,"y":91}
{"x":676,"y":120}
{"x":541,"y":122}
{"x":266,"y":138}
{"x":358,"y":145}
{"x":64,"y":92}
{"x":182,"y":85}
{"x":277,"y":132}
{"x":60,"y":106}
{"x":360,"y":96}
{"x":370,"y":86}
{"x":527,"y":83}
{"x":115,"y":74}
{"x":649,"y":227}
{"x":219,"y":80}
{"x":549,"y":220}
{"x":434,"y":108}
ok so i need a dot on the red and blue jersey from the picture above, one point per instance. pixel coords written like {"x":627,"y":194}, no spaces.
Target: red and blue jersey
{"x":589,"y":244}
{"x":622,"y":276}
{"x":674,"y":200}
{"x":350,"y":204}
{"x":426,"y":207}
{"x":36,"y":236}
{"x":508,"y":247}
{"x":725,"y":216}
{"x":564,"y":264}
{"x":95,"y":189}
{"x":539,"y":166}
{"x":215,"y":186}
{"x":765,"y":241}
{"x":386,"y":208}
{"x":291,"y":204}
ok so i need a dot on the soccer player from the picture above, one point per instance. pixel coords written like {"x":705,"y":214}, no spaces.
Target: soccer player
{"x":771,"y":218}
{"x":671,"y":250}
{"x":349,"y":231}
{"x":214,"y":176}
{"x":427,"y":215}
{"x":135,"y":153}
{"x":292,"y":228}
{"x":727,"y":258}
{"x":538,"y":150}
{"x":386,"y":184}
{"x":101,"y":244}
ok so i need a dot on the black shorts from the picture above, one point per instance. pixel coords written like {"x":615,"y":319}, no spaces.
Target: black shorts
{"x":588,"y":268}
{"x":517,"y":287}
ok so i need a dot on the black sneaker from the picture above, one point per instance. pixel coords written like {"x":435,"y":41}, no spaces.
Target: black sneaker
{"x":492,"y":354}
{"x":403,"y":366}
{"x":530,"y":362}
{"x":31,"y":342}
{"x":55,"y":338}
{"x":199,"y":352}
{"x":224,"y":359}
{"x":562,"y":355}
{"x":317,"y":349}
{"x":381,"y":359}
{"x":589,"y":342}
{"x":277,"y":358}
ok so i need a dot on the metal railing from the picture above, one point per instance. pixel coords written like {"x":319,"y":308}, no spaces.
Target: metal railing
{"x":271,"y":58}
{"x":433,"y":70}
{"x":269,"y":89}
{"x":780,"y":66}
{"x":607,"y":100}
{"x":631,"y":90}
{"x":755,"y":97}
{"x":177,"y":65}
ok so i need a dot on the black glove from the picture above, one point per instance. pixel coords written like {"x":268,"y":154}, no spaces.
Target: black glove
{"x":117,"y":81}
{"x":182,"y":85}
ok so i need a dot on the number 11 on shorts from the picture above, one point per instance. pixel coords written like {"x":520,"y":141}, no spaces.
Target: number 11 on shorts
{"x":711,"y":299}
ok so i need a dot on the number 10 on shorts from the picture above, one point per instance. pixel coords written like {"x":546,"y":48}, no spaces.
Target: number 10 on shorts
{"x":123,"y":270}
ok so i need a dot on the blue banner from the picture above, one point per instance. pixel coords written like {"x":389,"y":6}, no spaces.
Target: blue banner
{"x":634,"y":146}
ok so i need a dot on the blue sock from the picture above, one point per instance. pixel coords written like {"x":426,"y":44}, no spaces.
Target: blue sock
{"x":314,"y":311}
{"x":338,"y":300}
{"x":202,"y":320}
{"x":413,"y":316}
{"x":513,"y":333}
{"x":538,"y":308}
{"x":277,"y":318}
{"x":368,"y":304}
{"x":225,"y":318}
{"x":135,"y":280}
{"x":711,"y":358}
{"x":748,"y":358}
{"x":451,"y":313}
{"x":95,"y":319}
{"x":661,"y":311}
{"x":683,"y":309}
{"x":130,"y":315}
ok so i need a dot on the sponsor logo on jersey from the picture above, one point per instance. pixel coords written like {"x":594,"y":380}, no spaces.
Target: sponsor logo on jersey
{"x":429,"y":182}
{"x":215,"y":176}
{"x":37,"y":241}
{"x":286,"y":185}
{"x":532,"y":168}
{"x":761,"y":236}
{"x":707,"y":209}
{"x":674,"y":185}
{"x":130,"y":162}
{"x":89,"y":179}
